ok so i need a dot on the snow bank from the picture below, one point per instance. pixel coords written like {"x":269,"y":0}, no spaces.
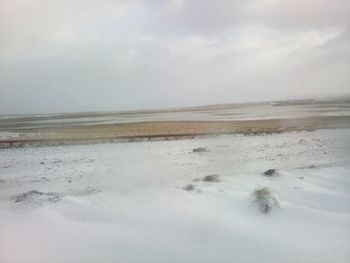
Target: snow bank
{"x":126,"y":202}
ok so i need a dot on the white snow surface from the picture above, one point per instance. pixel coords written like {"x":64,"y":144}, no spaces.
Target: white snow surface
{"x":125,"y":202}
{"x":4,"y":135}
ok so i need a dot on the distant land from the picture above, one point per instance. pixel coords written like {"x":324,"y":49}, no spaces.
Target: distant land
{"x":237,"y":118}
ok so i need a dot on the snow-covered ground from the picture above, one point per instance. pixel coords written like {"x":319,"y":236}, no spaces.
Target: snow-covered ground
{"x":16,"y":135}
{"x":125,"y":202}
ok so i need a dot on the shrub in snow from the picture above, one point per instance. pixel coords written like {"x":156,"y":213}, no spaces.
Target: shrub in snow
{"x":265,"y":200}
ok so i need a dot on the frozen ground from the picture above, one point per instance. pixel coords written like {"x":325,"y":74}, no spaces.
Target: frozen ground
{"x":125,"y":202}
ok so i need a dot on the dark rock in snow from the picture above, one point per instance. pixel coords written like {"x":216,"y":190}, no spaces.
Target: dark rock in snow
{"x":213,"y":178}
{"x":271,"y":172}
{"x":200,"y":150}
{"x":189,"y":187}
{"x":265,"y":200}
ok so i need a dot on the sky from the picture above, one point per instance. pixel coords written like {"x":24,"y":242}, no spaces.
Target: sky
{"x":105,"y":55}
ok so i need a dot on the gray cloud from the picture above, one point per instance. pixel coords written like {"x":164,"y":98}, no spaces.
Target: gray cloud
{"x":79,"y":55}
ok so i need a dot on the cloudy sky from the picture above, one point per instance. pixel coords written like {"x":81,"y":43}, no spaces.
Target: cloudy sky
{"x":85,"y":55}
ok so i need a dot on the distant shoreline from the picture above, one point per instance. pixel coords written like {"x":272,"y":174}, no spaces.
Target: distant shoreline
{"x":222,"y":106}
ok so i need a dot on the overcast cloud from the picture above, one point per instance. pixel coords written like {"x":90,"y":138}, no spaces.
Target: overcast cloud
{"x":84,"y":55}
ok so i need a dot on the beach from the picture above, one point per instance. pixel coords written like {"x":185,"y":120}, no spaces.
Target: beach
{"x":81,"y":128}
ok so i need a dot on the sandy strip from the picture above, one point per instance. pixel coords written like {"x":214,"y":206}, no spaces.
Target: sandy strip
{"x":172,"y":129}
